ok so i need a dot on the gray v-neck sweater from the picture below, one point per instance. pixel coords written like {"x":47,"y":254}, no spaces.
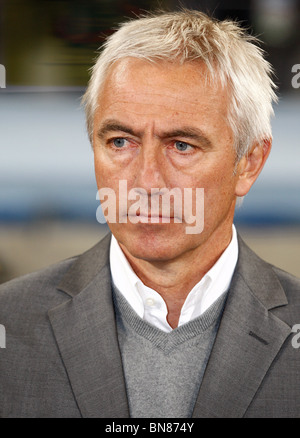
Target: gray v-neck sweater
{"x":163,"y":371}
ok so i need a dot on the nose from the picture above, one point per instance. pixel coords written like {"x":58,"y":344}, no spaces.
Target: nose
{"x":150,"y":167}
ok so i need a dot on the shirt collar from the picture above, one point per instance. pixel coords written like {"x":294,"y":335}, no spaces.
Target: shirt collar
{"x":124,"y":278}
{"x":215,"y":282}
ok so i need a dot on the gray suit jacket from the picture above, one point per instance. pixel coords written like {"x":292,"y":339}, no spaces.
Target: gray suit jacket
{"x":62,"y":357}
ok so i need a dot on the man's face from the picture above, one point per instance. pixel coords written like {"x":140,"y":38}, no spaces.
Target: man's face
{"x":163,"y":126}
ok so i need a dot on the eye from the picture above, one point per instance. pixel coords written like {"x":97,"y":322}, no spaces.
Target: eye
{"x":119,"y":142}
{"x":181,"y":146}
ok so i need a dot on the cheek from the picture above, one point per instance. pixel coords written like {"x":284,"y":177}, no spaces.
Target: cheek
{"x":104,"y":175}
{"x":219,"y":187}
{"x":107,"y":175}
{"x":98,"y":169}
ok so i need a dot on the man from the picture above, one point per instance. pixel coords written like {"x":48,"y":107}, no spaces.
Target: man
{"x":156,"y":320}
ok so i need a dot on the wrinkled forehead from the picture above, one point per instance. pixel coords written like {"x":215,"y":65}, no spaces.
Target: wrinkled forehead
{"x":154,"y":99}
{"x":188,"y":85}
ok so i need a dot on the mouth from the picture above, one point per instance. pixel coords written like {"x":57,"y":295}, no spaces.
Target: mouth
{"x":145,"y":217}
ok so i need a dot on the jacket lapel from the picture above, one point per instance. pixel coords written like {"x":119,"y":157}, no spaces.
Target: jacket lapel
{"x":248,"y":340}
{"x":85,"y":331}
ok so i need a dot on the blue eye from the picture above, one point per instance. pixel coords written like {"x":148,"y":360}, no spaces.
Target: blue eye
{"x":182,"y":146}
{"x":119,"y":142}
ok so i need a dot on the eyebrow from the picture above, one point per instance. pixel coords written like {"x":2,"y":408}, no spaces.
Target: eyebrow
{"x":184,"y":132}
{"x":114,"y":126}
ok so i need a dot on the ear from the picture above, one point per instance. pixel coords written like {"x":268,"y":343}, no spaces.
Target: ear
{"x":250,"y":166}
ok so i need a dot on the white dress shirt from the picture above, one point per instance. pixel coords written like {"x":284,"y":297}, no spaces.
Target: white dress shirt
{"x":149,"y":304}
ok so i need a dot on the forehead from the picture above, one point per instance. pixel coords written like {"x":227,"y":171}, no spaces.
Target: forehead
{"x":162,"y":88}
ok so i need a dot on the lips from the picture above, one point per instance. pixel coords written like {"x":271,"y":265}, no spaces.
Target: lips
{"x":147,"y":218}
{"x":149,"y":215}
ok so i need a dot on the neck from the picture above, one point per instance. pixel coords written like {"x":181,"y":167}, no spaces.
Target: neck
{"x":174,"y":279}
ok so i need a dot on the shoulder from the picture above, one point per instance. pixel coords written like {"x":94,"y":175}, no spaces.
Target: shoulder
{"x":289,"y":312}
{"x":32,"y":374}
{"x":290,"y":285}
{"x":275,"y":288}
{"x":32,"y":291}
{"x":255,"y":269}
{"x":36,"y":293}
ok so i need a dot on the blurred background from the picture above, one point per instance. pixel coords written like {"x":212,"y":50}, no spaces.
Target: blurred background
{"x":47,"y":187}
